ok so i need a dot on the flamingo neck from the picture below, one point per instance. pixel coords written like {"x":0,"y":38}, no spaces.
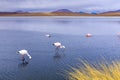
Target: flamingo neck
{"x":29,"y":56}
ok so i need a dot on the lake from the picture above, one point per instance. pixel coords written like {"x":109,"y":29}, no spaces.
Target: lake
{"x":28,"y":33}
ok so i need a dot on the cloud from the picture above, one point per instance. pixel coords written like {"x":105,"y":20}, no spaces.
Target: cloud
{"x":75,"y":5}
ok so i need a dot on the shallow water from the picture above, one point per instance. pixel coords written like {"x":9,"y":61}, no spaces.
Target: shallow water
{"x":29,"y":33}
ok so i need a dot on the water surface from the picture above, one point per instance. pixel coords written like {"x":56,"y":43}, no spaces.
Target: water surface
{"x":29,"y":33}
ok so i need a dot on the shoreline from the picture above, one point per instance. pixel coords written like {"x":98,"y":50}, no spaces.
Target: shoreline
{"x":60,"y":16}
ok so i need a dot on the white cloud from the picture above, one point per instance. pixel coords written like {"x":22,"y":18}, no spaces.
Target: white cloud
{"x":85,"y":5}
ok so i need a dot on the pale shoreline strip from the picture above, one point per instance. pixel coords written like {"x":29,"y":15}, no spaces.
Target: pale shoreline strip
{"x":59,"y":16}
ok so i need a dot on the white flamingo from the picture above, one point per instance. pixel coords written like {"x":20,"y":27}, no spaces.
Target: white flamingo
{"x":58,"y":45}
{"x":23,"y":53}
{"x":48,"y":35}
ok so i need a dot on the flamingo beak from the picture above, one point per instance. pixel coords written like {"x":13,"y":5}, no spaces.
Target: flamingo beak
{"x":17,"y":52}
{"x":30,"y":57}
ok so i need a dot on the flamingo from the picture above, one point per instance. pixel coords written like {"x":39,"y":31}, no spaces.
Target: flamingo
{"x":23,"y":53}
{"x":48,"y":35}
{"x":58,"y":45}
{"x":88,"y":35}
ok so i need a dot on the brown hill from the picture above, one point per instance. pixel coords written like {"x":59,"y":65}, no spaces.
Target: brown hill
{"x":45,"y":14}
{"x":110,"y":14}
{"x":59,"y":14}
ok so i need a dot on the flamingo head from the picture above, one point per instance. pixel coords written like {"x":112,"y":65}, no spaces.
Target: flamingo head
{"x":62,"y":47}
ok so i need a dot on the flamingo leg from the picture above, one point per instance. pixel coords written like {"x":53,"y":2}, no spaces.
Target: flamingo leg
{"x":23,"y":59}
{"x":57,"y":51}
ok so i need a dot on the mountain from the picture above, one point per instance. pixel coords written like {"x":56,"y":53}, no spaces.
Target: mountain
{"x":111,"y":11}
{"x":60,"y":12}
{"x":63,"y":10}
{"x":13,"y":12}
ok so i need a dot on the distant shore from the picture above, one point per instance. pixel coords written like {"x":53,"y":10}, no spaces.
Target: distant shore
{"x":59,"y":14}
{"x":71,"y":17}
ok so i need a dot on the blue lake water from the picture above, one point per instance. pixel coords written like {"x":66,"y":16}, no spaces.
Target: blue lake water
{"x":29,"y":33}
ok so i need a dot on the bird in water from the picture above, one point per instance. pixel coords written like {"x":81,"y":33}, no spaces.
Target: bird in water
{"x":23,"y":53}
{"x":48,"y":35}
{"x":58,"y":45}
{"x":88,"y":35}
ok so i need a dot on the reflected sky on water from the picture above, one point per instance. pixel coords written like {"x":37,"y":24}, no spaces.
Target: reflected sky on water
{"x":29,"y":33}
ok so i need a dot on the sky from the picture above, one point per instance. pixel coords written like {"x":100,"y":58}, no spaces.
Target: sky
{"x":52,"y":5}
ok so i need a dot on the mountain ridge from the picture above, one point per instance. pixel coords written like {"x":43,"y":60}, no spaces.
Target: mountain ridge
{"x":59,"y":12}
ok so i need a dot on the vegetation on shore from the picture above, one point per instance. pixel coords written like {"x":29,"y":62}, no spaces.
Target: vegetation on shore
{"x":101,"y":71}
{"x":58,"y":14}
